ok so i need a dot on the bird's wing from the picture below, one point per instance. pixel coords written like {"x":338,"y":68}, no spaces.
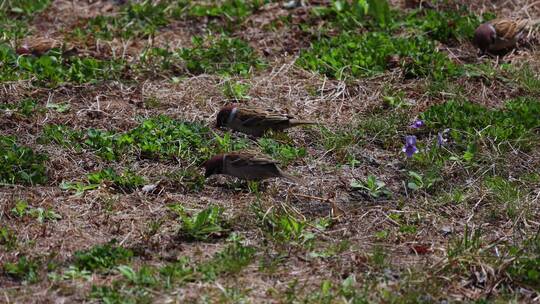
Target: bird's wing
{"x":507,"y":28}
{"x":45,"y":44}
{"x":245,"y":160}
{"x":256,"y":117}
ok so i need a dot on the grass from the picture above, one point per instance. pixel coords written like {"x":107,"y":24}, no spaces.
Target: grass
{"x":425,"y":181}
{"x":231,"y":260}
{"x":441,"y":25}
{"x":372,"y":187}
{"x":15,"y":15}
{"x":206,"y":224}
{"x":444,"y":26}
{"x":179,"y":271}
{"x":108,"y":295}
{"x":24,"y":269}
{"x":283,"y":228}
{"x":527,"y":79}
{"x":285,"y":153}
{"x":61,"y":135}
{"x":125,"y":182}
{"x":354,"y":53}
{"x":23,"y":108}
{"x":347,"y":290}
{"x":139,"y":19}
{"x":349,"y":15}
{"x":349,"y":55}
{"x":143,"y":277}
{"x":102,"y":257}
{"x":383,"y":128}
{"x":506,"y":194}
{"x":21,"y":165}
{"x":145,"y":18}
{"x":223,"y":55}
{"x":237,"y":91}
{"x":8,"y":238}
{"x":474,"y":136}
{"x":164,"y":137}
{"x":135,"y":285}
{"x":516,"y":122}
{"x":22,"y":209}
{"x":53,"y":69}
{"x":525,"y":267}
{"x":231,"y":13}
{"x":24,"y":8}
{"x":364,"y":223}
{"x":160,"y":138}
{"x":340,"y":142}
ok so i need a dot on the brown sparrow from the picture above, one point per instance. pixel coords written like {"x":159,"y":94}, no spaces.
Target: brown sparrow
{"x":41,"y":45}
{"x":38,"y":46}
{"x":255,"y":121}
{"x":499,"y":34}
{"x":244,"y":166}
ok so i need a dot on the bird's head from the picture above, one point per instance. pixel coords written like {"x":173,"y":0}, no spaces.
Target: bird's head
{"x":484,"y":37}
{"x":214,"y":165}
{"x":224,"y":115}
{"x":23,"y":50}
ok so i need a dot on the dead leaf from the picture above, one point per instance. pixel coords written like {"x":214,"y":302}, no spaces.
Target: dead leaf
{"x":421,"y":249}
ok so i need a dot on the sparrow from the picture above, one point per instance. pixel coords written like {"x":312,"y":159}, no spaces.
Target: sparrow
{"x":499,"y":34}
{"x":244,"y":166}
{"x":255,"y":121}
{"x":41,"y":45}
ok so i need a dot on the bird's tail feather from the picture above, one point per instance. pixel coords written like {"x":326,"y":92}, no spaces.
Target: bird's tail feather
{"x":291,"y":178}
{"x":296,"y":122}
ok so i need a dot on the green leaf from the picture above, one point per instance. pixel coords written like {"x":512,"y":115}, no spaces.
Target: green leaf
{"x":59,"y":107}
{"x":127,"y":272}
{"x":20,"y":208}
{"x":412,"y":186}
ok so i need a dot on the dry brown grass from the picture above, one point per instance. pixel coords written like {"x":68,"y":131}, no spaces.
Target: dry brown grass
{"x":103,"y":214}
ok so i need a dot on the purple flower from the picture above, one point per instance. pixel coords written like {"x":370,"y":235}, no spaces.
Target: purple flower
{"x":417,"y":124}
{"x":410,"y":145}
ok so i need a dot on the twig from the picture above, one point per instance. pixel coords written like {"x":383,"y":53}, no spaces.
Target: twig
{"x":336,"y":211}
{"x":314,"y":197}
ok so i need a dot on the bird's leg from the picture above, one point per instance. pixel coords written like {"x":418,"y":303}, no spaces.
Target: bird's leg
{"x":481,"y":53}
